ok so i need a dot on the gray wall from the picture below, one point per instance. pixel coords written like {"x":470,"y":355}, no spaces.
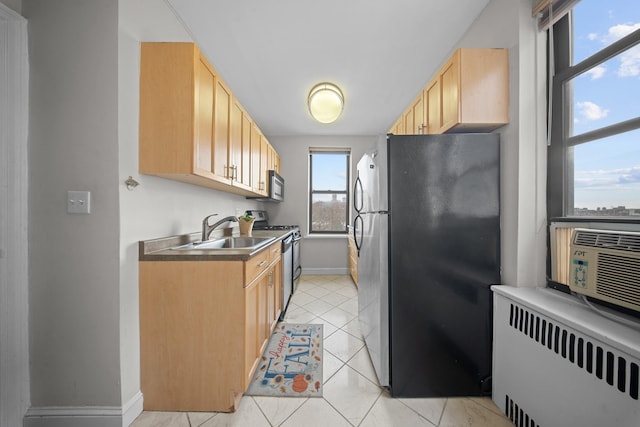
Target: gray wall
{"x":73,"y":263}
{"x":84,"y":341}
{"x":319,"y":254}
{"x":16,"y":5}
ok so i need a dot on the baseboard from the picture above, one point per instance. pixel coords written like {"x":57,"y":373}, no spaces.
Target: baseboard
{"x":86,"y":416}
{"x":325,"y":271}
{"x":132,"y":409}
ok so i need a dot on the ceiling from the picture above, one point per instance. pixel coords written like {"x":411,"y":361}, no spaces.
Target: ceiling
{"x":381,"y":53}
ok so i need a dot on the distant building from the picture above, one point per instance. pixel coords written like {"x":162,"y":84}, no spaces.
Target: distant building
{"x":604,"y":211}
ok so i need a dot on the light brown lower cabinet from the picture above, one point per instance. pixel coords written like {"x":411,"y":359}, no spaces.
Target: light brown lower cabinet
{"x":203,"y":327}
{"x":353,"y":257}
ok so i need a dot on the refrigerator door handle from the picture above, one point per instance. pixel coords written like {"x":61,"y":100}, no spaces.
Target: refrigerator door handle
{"x":357,"y":241}
{"x":357,"y":194}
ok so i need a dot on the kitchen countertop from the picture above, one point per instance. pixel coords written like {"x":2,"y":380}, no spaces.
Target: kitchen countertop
{"x":161,"y":249}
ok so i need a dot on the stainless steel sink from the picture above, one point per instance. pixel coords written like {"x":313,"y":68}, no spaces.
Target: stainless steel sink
{"x":239,"y":242}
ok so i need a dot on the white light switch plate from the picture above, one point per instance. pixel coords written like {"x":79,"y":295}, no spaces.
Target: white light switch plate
{"x":79,"y":202}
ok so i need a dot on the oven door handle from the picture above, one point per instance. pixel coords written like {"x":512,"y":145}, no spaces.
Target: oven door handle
{"x":297,"y":239}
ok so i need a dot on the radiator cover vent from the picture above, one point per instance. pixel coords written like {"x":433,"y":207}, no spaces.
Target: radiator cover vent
{"x":581,"y":351}
{"x":517,"y":415}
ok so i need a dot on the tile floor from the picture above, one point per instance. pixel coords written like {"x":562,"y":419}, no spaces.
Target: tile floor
{"x":351,"y":394}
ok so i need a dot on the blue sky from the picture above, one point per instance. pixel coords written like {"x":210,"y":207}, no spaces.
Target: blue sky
{"x":329,"y":173}
{"x":607,"y":172}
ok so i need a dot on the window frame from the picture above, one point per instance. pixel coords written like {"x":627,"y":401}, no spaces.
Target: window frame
{"x":560,"y":153}
{"x":346,"y":192}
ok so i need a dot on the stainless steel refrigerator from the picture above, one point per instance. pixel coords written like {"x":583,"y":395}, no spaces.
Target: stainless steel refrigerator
{"x":427,"y":228}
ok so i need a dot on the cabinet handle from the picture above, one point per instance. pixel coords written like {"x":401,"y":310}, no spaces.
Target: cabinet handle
{"x":271,"y":279}
{"x":262,"y":263}
{"x":235,"y":172}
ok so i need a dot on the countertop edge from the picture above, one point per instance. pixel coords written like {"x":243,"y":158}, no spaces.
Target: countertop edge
{"x":159,"y":249}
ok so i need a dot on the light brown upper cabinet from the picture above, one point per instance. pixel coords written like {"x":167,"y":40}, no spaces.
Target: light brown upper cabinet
{"x":398,"y":126}
{"x":432,"y":96}
{"x":192,"y":128}
{"x":417,"y":124}
{"x":470,"y":93}
{"x":239,"y":168}
{"x":474,"y":88}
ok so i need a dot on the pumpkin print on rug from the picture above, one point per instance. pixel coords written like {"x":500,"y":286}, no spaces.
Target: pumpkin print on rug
{"x":291,"y":364}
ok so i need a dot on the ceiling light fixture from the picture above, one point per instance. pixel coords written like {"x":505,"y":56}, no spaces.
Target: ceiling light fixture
{"x":325,"y":102}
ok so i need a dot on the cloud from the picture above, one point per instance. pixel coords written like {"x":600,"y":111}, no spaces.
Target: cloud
{"x":591,"y":111}
{"x":601,"y":177}
{"x":597,"y":72}
{"x":619,"y":31}
{"x":630,"y":63}
{"x":630,"y":59}
{"x":630,"y":176}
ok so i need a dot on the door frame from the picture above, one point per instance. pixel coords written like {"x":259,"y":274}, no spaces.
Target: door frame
{"x":14,"y":284}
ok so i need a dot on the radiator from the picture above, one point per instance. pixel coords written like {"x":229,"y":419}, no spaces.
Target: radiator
{"x":558,"y":364}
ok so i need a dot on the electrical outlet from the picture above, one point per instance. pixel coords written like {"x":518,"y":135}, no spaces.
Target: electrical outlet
{"x":79,"y":202}
{"x":239,"y":212}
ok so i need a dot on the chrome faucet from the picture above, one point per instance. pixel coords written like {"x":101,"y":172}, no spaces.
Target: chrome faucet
{"x":207,"y":229}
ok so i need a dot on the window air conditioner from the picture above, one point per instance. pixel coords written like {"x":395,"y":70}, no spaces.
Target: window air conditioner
{"x":606,"y":265}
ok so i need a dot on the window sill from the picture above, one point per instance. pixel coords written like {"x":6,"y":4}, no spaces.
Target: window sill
{"x":325,"y":236}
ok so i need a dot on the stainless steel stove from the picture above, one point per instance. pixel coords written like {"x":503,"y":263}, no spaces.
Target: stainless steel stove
{"x":292,"y":269}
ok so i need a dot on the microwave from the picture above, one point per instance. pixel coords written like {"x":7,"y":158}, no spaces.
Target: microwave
{"x":275,"y":189}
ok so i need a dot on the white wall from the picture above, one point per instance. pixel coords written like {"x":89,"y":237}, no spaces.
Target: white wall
{"x":508,"y":24}
{"x":158,"y":207}
{"x":319,"y":254}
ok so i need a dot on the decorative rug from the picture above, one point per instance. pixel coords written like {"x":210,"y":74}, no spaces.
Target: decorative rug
{"x":291,"y":365}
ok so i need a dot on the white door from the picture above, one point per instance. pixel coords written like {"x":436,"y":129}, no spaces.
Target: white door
{"x":14,"y":355}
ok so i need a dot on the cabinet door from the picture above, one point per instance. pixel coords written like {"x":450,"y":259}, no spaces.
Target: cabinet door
{"x":256,"y":144}
{"x":235,"y":142}
{"x":408,"y":122}
{"x":222,"y":106}
{"x":277,"y":291}
{"x":450,"y":89}
{"x":433,"y":106}
{"x":205,"y":82}
{"x":271,"y":300}
{"x":251,"y":335}
{"x":264,"y":155}
{"x":244,"y":174}
{"x":417,"y":111}
{"x":277,"y":165}
{"x":263,"y":309}
{"x":397,"y":127}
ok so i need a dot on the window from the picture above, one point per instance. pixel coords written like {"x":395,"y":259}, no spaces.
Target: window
{"x":328,"y":191}
{"x":594,"y":156}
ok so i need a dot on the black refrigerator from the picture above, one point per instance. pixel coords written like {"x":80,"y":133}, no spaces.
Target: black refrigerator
{"x":427,"y":229}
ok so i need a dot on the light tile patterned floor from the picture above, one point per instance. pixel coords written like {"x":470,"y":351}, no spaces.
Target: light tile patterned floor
{"x":351,"y":395}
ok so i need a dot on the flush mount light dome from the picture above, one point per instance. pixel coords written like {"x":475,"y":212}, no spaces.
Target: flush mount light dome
{"x":325,"y":102}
